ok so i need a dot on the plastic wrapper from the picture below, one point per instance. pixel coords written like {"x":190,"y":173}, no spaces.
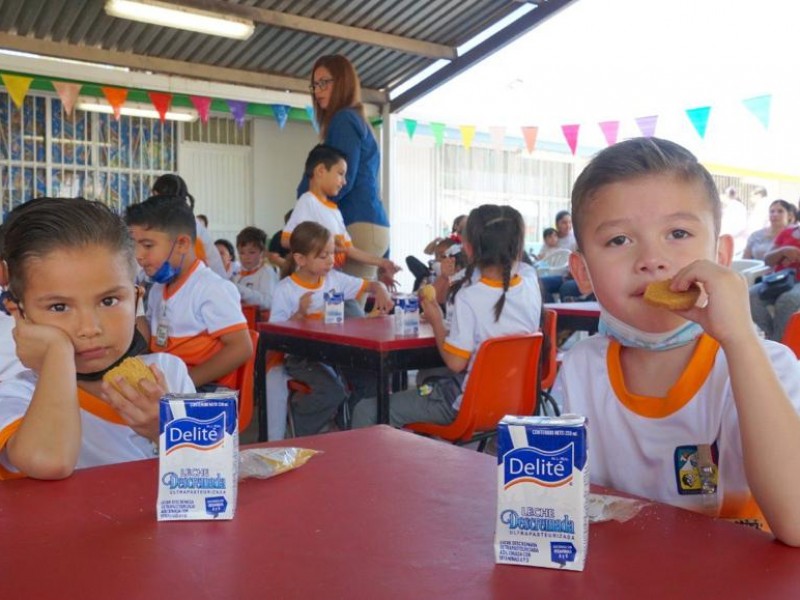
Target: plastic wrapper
{"x":602,"y":507}
{"x":262,"y":463}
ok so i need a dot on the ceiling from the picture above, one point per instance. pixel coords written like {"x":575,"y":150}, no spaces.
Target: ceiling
{"x":388,"y":41}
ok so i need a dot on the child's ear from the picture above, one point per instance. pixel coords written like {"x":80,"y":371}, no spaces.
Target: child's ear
{"x":320,"y":170}
{"x":580,"y":272}
{"x":183,"y":243}
{"x":299,"y":259}
{"x":725,"y":250}
{"x":3,"y":273}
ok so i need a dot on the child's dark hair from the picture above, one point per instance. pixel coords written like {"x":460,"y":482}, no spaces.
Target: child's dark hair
{"x":172,"y":184}
{"x":252,"y":235}
{"x":170,"y":214}
{"x":548,"y":231}
{"x":322,"y":154}
{"x":497,"y":237}
{"x":639,"y":157}
{"x":308,"y":237}
{"x":228,"y":246}
{"x":43,"y":225}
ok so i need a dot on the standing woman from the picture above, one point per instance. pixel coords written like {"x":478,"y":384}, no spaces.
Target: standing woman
{"x":336,"y":93}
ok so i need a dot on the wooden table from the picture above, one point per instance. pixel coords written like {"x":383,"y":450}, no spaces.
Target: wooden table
{"x":369,"y":344}
{"x":382,"y":514}
{"x":576,"y":316}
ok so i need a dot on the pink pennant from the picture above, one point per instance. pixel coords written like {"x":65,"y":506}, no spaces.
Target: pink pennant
{"x":68,"y":94}
{"x":161,"y":101}
{"x":647,"y":125}
{"x":238,"y":109}
{"x":530,"y":134}
{"x":203,"y":106}
{"x":610,"y":130}
{"x":571,"y":135}
{"x":116,"y":98}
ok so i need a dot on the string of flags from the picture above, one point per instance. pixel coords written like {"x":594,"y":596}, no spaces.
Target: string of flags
{"x":758,"y":106}
{"x":68,"y":92}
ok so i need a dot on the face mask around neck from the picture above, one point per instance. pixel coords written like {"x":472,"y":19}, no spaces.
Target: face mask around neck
{"x":631,"y":337}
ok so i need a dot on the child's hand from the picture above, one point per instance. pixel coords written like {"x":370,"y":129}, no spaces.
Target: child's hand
{"x":138,"y":405}
{"x":34,"y":342}
{"x":726,"y":314}
{"x":389,"y":267}
{"x":383,"y":300}
{"x":305,"y":303}
{"x":431,"y":310}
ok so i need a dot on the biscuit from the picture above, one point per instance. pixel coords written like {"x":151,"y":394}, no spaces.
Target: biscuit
{"x":659,"y":294}
{"x":133,"y":370}
{"x":427,"y":292}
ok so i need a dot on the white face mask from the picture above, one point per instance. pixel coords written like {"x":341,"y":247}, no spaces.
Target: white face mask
{"x":630,"y":337}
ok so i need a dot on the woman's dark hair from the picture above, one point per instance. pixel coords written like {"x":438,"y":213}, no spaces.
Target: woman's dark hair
{"x":308,"y":237}
{"x":228,"y":246}
{"x":791,"y":209}
{"x":172,"y":184}
{"x":43,"y":225}
{"x":497,"y":237}
{"x":346,"y":91}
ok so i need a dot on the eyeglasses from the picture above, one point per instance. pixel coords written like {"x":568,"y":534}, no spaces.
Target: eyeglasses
{"x":320,"y":85}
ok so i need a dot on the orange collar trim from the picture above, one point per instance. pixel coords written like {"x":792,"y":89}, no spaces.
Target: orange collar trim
{"x":325,"y":201}
{"x":308,"y":286}
{"x":245,"y":272}
{"x":498,"y":283}
{"x":686,"y":388}
{"x":99,"y":408}
{"x":166,"y":296}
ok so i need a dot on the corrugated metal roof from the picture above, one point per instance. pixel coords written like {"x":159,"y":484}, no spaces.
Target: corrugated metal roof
{"x":273,"y":50}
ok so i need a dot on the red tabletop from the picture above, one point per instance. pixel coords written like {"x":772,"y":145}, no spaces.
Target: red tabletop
{"x":576,"y":309}
{"x":381,"y":514}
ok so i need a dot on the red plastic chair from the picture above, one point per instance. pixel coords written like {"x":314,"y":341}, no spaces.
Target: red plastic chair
{"x":245,"y":377}
{"x":791,"y":335}
{"x":251,"y":313}
{"x":503,"y":381}
{"x":549,"y":362}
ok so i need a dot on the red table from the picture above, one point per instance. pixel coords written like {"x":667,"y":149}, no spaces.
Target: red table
{"x":369,"y":344}
{"x":576,"y":316}
{"x":381,"y":514}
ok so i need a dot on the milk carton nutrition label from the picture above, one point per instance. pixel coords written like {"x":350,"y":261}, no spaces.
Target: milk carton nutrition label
{"x":542,"y":489}
{"x":198,"y":457}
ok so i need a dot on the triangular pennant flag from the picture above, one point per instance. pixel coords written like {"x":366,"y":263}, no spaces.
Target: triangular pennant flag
{"x":281,"y":114}
{"x":497,"y":133}
{"x":17,"y":86}
{"x":411,"y":127}
{"x":610,"y":130}
{"x":68,"y":94}
{"x":162,"y":101}
{"x":571,"y":135}
{"x":467,"y":135}
{"x":203,"y":106}
{"x":699,"y":118}
{"x":647,"y":125}
{"x":116,"y":98}
{"x":530,"y":134}
{"x":238,"y":109}
{"x":310,"y":113}
{"x":760,"y":107}
{"x":438,"y":132}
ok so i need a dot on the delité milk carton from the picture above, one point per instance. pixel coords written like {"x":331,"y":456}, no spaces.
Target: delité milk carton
{"x":542,"y":489}
{"x":198,"y":456}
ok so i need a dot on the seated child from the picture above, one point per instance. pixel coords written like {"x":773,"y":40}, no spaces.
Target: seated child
{"x":228,"y":255}
{"x":300,"y":294}
{"x":71,"y":267}
{"x":326,"y":168}
{"x":500,"y":302}
{"x":685,"y":406}
{"x":191,"y":311}
{"x":257,"y":279}
{"x":550,"y":237}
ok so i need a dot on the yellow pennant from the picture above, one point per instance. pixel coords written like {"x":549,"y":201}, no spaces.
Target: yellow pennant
{"x":17,"y":86}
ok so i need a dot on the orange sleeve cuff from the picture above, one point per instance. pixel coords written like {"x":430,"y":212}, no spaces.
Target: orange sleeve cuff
{"x":5,"y":435}
{"x":456,"y":351}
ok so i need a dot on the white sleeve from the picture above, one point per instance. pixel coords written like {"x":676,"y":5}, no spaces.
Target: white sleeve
{"x":302,"y":212}
{"x":175,"y":372}
{"x":463,"y":328}
{"x":350,"y":286}
{"x":221,"y":308}
{"x":262,"y":290}
{"x":283,"y":306}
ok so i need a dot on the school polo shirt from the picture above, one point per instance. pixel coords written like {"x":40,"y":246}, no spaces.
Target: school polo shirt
{"x":257,"y":286}
{"x":290,"y":290}
{"x":319,"y":210}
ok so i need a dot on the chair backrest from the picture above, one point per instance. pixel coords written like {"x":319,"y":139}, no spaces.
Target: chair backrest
{"x":557,"y":258}
{"x":251,"y":313}
{"x":245,"y":378}
{"x":550,"y":360}
{"x":791,"y":335}
{"x":502,"y":382}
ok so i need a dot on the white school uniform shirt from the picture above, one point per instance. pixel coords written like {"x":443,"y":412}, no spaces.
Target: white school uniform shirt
{"x":290,"y":290}
{"x":257,"y":286}
{"x":105,"y":438}
{"x":312,"y":208}
{"x":9,"y":361}
{"x":473,"y":321}
{"x":644,"y":445}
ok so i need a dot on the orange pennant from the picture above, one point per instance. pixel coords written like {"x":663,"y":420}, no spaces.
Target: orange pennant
{"x":116,"y":98}
{"x":530,"y":134}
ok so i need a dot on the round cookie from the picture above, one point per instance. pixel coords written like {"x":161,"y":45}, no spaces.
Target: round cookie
{"x":427,"y":292}
{"x":133,"y":369}
{"x":659,"y":294}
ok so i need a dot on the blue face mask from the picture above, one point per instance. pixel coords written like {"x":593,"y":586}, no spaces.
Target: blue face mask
{"x":166,"y":272}
{"x":630,"y":337}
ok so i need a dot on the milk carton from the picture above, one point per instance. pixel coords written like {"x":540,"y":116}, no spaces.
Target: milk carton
{"x":542,"y":491}
{"x":406,"y":315}
{"x":198,"y":457}
{"x":334,"y":307}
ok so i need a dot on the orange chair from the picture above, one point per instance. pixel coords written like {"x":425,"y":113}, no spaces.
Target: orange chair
{"x":549,"y":362}
{"x":251,"y":313}
{"x":245,"y":378}
{"x":791,"y":335}
{"x":502,"y":382}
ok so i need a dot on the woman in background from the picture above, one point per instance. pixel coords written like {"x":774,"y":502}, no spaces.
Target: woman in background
{"x":781,"y":215}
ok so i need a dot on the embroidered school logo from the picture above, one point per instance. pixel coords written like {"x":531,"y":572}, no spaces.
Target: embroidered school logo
{"x":696,"y":469}
{"x":540,"y":467}
{"x":195,"y":433}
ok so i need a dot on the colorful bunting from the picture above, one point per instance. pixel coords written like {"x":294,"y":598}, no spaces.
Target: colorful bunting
{"x":17,"y":86}
{"x":438,"y":132}
{"x":760,"y":107}
{"x":411,"y":127}
{"x":161,"y":101}
{"x":571,"y":135}
{"x":530,"y":134}
{"x":116,"y":98}
{"x":647,"y":125}
{"x":68,"y":94}
{"x":310,"y":113}
{"x":203,"y":106}
{"x":498,"y":136}
{"x":238,"y":109}
{"x":699,"y":118}
{"x":610,"y":131}
{"x":281,"y":114}
{"x":467,"y":135}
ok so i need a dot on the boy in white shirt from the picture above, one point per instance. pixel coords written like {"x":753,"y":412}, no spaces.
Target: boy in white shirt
{"x":257,"y":279}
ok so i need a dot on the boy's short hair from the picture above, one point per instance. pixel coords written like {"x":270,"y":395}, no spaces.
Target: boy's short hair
{"x":322,"y":154}
{"x":170,"y":214}
{"x":548,"y":231}
{"x":639,"y":157}
{"x":252,"y":235}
